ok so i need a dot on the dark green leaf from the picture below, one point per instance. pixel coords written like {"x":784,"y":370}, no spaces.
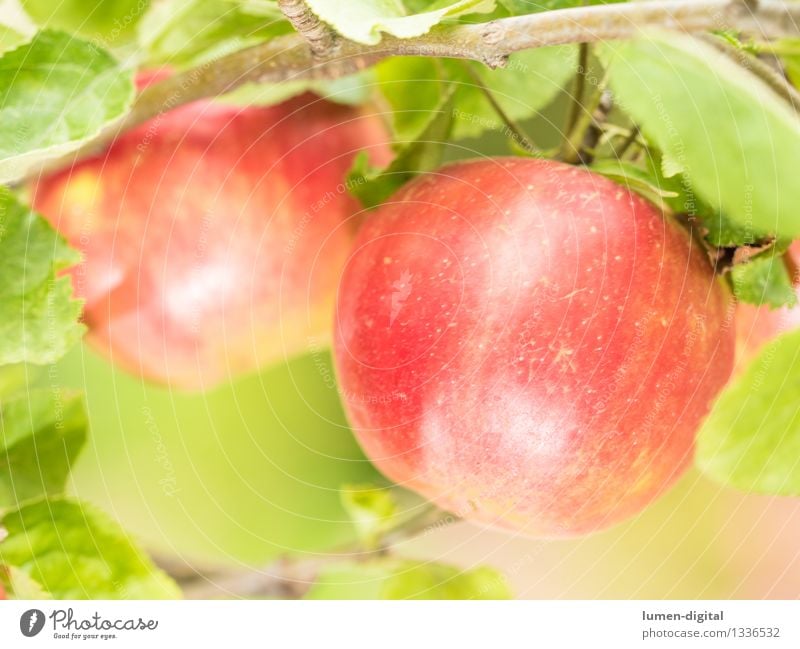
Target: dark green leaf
{"x":41,"y":433}
{"x":764,"y":280}
{"x":38,"y":317}
{"x":372,"y":186}
{"x":75,"y":552}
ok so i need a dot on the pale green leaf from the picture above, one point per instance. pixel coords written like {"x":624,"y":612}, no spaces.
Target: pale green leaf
{"x":56,"y":92}
{"x":76,"y":552}
{"x":363,"y":21}
{"x":9,"y":38}
{"x":520,"y":7}
{"x":736,"y":139}
{"x":20,"y":585}
{"x":41,"y":433}
{"x":642,"y":181}
{"x":751,"y":439}
{"x":372,"y":510}
{"x":38,"y":316}
{"x":109,"y":22}
{"x":394,"y":578}
{"x":414,"y":87}
{"x":188,"y":32}
{"x":350,"y":90}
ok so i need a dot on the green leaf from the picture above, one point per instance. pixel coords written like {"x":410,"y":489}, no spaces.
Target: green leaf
{"x":56,"y":92}
{"x":393,"y":578}
{"x":654,"y":188}
{"x":188,"y":32}
{"x":41,"y":433}
{"x":351,"y":90}
{"x":372,"y":509}
{"x":363,"y":21}
{"x":9,"y":38}
{"x":733,"y":136}
{"x":372,"y":185}
{"x":764,"y":280}
{"x":38,"y":317}
{"x":20,"y":585}
{"x":520,"y":7}
{"x":529,"y":82}
{"x":76,"y":552}
{"x":751,"y":439}
{"x":415,"y":87}
{"x":15,"y":378}
{"x":111,"y":22}
{"x":788,"y":50}
{"x":725,"y":233}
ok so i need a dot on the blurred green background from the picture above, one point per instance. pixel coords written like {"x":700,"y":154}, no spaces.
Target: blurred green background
{"x":241,"y":474}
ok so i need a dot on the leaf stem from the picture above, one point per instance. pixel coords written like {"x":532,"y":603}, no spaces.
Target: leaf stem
{"x":517,"y":134}
{"x":578,"y":88}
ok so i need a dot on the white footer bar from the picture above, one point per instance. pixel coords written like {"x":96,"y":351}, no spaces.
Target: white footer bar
{"x":401,"y":625}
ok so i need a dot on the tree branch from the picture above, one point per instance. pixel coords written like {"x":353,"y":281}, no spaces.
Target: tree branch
{"x":291,"y":57}
{"x":322,"y":40}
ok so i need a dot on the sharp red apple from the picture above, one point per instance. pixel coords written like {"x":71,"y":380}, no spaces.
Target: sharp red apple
{"x":529,"y":345}
{"x":213,"y":235}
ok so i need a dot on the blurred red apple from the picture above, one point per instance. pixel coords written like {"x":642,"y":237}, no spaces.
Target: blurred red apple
{"x":756,"y":326}
{"x":214,"y":235}
{"x":529,"y":345}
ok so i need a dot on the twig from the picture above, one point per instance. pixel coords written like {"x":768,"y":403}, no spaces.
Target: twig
{"x":594,"y":111}
{"x":290,"y":57}
{"x":516,"y":132}
{"x":594,"y":131}
{"x":289,"y":577}
{"x":629,"y":140}
{"x":322,"y":40}
{"x":578,"y":88}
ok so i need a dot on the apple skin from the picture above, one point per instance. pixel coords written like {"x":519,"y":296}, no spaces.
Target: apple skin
{"x":756,"y":326}
{"x":529,"y":345}
{"x":213,"y":235}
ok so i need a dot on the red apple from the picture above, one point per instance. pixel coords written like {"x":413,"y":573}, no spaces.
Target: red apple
{"x":756,"y":326}
{"x":214,"y":235}
{"x":529,"y":345}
